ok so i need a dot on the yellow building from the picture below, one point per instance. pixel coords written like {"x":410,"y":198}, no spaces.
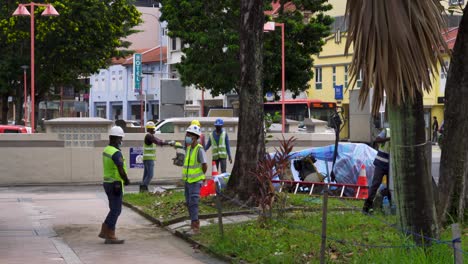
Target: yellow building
{"x":331,"y":70}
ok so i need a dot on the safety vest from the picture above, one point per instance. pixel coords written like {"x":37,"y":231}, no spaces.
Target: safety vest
{"x":111,"y":172}
{"x":149,"y":151}
{"x":192,"y":170}
{"x":382,"y":159}
{"x":219,"y":149}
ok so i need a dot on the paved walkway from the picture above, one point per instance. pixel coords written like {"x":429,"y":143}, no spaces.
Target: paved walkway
{"x":60,"y":225}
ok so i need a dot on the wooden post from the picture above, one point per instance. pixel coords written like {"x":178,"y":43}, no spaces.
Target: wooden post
{"x":456,"y":238}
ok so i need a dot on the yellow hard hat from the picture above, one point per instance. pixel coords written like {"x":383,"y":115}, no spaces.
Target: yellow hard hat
{"x":150,"y":124}
{"x":196,"y":122}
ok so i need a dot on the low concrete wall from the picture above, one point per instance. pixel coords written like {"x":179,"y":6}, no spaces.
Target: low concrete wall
{"x":52,"y":159}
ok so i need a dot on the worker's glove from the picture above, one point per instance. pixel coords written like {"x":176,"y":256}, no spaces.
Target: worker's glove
{"x":170,"y":143}
{"x":126,"y":181}
{"x":177,"y":145}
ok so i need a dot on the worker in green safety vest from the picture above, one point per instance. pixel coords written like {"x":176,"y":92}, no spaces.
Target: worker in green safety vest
{"x":221,"y":149}
{"x":115,"y":177}
{"x":193,"y":174}
{"x":149,"y":154}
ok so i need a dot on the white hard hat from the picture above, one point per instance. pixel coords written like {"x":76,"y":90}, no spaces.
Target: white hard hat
{"x":150,"y":124}
{"x":116,"y":131}
{"x":194,"y":129}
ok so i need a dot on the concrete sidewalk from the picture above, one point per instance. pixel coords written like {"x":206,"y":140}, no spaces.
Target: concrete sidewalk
{"x":59,"y":224}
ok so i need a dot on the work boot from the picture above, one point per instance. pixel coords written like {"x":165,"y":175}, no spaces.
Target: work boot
{"x":368,"y":207}
{"x":143,"y":188}
{"x":194,"y":228}
{"x":112,"y":239}
{"x":104,"y":231}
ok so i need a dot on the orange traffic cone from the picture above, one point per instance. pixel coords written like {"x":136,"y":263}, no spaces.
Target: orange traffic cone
{"x":214,"y":170}
{"x":362,"y":181}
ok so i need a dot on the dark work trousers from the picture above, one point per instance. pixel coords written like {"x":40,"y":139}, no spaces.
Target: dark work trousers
{"x":192,"y":197}
{"x":223,"y":165}
{"x":376,"y":181}
{"x":115,"y":204}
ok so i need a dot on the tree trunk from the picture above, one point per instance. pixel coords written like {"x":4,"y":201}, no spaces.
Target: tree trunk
{"x":250,"y":135}
{"x":411,"y":171}
{"x":5,"y":109}
{"x":453,"y":178}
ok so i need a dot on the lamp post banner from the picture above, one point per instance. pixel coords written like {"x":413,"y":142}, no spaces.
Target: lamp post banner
{"x":137,"y":71}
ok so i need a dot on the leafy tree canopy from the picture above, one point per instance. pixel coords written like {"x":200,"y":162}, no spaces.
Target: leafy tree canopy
{"x":211,"y":30}
{"x":80,"y":41}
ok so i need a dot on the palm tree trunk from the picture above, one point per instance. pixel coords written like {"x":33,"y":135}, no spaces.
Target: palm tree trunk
{"x":411,"y":171}
{"x":250,"y":133}
{"x":453,"y":180}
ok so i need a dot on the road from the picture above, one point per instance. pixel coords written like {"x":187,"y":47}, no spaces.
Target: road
{"x":59,"y":224}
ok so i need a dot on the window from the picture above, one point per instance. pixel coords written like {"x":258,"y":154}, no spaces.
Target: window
{"x":318,"y":78}
{"x":443,"y":71}
{"x":167,"y":128}
{"x":346,"y":76}
{"x":359,"y":80}
{"x":456,"y":2}
{"x":334,"y":76}
{"x":174,"y":43}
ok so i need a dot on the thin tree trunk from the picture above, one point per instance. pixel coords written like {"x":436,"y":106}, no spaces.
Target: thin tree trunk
{"x":250,"y":136}
{"x":5,"y":109}
{"x":453,"y":178}
{"x":411,"y":171}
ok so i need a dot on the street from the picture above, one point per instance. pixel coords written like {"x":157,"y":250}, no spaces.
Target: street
{"x":59,"y":224}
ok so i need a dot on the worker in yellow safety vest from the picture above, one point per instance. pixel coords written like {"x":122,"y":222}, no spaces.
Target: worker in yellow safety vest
{"x":115,"y":177}
{"x":149,"y":154}
{"x":193,"y":173}
{"x":381,"y":168}
{"x":219,"y":139}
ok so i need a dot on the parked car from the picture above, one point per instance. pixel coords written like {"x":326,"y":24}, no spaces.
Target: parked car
{"x":14,"y":129}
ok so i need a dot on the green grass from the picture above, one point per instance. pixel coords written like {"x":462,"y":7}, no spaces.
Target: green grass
{"x":170,"y":205}
{"x":295,"y":237}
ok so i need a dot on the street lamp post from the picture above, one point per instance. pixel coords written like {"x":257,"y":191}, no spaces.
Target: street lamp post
{"x":270,"y":26}
{"x":23,"y":11}
{"x":25,"y":96}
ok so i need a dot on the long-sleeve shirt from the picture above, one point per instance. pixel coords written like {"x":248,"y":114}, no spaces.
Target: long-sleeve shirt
{"x":216,"y":138}
{"x":150,"y":139}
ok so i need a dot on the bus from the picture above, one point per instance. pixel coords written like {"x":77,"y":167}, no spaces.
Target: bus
{"x":299,"y":109}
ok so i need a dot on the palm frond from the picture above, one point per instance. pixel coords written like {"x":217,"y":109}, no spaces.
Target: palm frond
{"x":397,"y":47}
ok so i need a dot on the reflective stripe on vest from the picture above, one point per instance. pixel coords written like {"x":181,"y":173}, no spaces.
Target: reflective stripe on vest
{"x":192,"y":170}
{"x":149,"y":151}
{"x":111,"y":172}
{"x":386,"y":146}
{"x":219,"y":149}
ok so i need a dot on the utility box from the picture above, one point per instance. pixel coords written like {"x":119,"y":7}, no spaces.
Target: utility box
{"x":361,"y":125}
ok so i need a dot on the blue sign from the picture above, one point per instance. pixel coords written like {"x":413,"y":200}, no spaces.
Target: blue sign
{"x":136,"y":157}
{"x":338,"y":92}
{"x":137,"y":71}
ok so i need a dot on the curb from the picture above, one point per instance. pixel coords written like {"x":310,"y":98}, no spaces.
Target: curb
{"x":187,"y":238}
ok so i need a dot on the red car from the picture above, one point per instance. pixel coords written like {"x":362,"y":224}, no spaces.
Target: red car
{"x":14,"y":129}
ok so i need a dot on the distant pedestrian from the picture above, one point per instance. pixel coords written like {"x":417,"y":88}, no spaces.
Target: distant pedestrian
{"x":381,"y":168}
{"x":115,"y":177}
{"x":149,"y":154}
{"x":193,"y":173}
{"x":221,"y":148}
{"x":435,"y":129}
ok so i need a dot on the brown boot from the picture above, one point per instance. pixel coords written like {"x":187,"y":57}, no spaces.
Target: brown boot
{"x":104,"y":231}
{"x":112,"y":239}
{"x":194,"y":228}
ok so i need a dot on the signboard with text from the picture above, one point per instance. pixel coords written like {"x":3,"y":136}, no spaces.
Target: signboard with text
{"x":338,"y":92}
{"x":137,"y":71}
{"x":136,"y":158}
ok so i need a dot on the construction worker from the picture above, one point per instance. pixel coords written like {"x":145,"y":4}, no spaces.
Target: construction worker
{"x":193,"y":173}
{"x":201,"y":140}
{"x":115,"y":177}
{"x":221,"y":149}
{"x":149,"y":154}
{"x":381,"y":164}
